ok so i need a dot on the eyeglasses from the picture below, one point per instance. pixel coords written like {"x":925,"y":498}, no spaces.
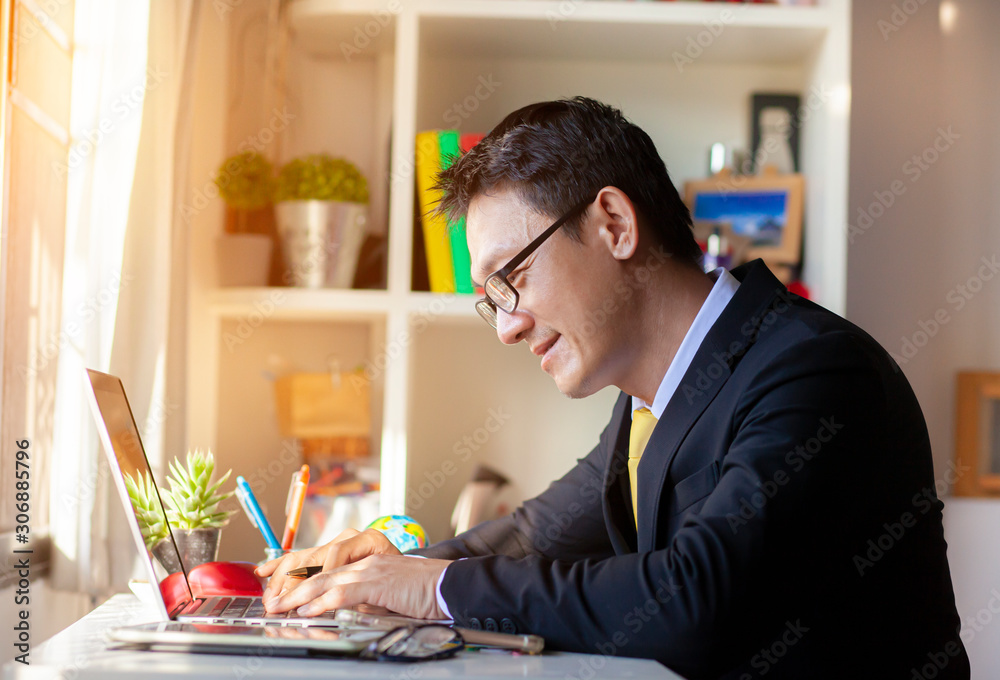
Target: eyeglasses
{"x":415,"y":643}
{"x":499,"y":291}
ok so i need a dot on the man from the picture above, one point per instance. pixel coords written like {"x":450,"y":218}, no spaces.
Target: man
{"x":762,"y":501}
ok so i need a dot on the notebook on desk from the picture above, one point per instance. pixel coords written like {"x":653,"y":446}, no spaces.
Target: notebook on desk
{"x":172,"y":592}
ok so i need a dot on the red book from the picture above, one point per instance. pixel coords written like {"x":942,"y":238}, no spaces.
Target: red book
{"x":469,"y":140}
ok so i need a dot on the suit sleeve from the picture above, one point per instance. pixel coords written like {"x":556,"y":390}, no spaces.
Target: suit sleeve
{"x":566,"y":520}
{"x":673,"y":604}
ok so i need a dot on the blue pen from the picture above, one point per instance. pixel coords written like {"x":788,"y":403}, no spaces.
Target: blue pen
{"x":250,"y":506}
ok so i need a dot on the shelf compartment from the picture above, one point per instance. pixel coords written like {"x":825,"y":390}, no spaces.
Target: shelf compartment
{"x":299,"y":304}
{"x":346,"y":29}
{"x":715,"y":33}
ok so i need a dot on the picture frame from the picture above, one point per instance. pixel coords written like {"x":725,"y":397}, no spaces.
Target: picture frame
{"x":774,"y":131}
{"x":765,"y":209}
{"x":977,"y":434}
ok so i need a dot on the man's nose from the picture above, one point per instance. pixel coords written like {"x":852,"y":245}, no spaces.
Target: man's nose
{"x":512,"y":327}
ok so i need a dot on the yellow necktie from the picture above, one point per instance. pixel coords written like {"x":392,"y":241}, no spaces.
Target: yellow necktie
{"x":643,"y":422}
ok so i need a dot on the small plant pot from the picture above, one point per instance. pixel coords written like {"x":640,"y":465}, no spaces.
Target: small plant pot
{"x":163,"y":551}
{"x":243,"y":259}
{"x":321,"y":241}
{"x":196,"y":546}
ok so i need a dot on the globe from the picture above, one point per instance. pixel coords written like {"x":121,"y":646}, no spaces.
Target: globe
{"x":402,"y":531}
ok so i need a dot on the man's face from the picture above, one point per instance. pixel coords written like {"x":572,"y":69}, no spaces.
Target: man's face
{"x":560,"y":286}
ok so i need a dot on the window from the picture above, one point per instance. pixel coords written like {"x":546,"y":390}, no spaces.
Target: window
{"x":37,"y":71}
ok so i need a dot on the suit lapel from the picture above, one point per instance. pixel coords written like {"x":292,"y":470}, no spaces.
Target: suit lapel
{"x":727,"y":341}
{"x":617,"y":493}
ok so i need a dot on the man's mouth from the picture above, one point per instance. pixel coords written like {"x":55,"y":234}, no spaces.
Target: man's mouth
{"x":542,"y":349}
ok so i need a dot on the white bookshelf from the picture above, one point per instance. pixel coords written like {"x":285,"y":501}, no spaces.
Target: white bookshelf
{"x":447,"y":369}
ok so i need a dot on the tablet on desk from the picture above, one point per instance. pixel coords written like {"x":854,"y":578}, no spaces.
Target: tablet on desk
{"x":240,"y":639}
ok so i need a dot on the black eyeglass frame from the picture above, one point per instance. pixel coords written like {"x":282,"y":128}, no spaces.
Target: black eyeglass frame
{"x":379,"y":650}
{"x":486,"y":306}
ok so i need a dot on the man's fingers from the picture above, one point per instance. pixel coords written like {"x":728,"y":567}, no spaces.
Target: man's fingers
{"x":322,"y":590}
{"x":363,"y":544}
{"x":279,"y":568}
{"x":267,"y":568}
{"x":345,"y":534}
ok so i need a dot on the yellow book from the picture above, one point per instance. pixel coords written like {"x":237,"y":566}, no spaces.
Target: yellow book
{"x":437,"y":243}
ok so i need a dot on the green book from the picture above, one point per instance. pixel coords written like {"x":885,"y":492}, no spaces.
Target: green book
{"x":461,"y":262}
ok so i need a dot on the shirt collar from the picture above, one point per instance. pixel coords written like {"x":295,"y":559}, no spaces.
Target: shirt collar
{"x":720,"y":295}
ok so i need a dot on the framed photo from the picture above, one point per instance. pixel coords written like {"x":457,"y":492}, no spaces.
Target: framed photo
{"x":774,"y":132}
{"x":764,"y":211}
{"x":977,"y":434}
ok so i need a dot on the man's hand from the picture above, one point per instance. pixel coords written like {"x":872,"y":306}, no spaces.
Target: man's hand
{"x":406,"y":585}
{"x":350,"y":546}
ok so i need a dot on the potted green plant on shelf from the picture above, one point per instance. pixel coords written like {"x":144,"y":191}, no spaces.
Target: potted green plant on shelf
{"x":245,"y":182}
{"x":321,"y":205}
{"x":192,"y":512}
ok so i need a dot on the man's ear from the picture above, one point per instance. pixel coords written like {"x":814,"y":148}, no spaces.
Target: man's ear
{"x":618,"y":224}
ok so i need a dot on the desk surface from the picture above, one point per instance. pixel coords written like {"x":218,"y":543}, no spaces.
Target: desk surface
{"x":81,"y":652}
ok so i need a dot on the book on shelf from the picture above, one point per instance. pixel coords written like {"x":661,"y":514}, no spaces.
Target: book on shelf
{"x":444,"y":245}
{"x":461,"y":262}
{"x":437,"y":244}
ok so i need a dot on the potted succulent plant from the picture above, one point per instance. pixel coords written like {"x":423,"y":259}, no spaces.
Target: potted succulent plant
{"x":321,"y":205}
{"x":152,"y":521}
{"x":246,"y":183}
{"x":193,"y":507}
{"x":192,"y":510}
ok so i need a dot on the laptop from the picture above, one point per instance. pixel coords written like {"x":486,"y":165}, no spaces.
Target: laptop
{"x":127,"y":456}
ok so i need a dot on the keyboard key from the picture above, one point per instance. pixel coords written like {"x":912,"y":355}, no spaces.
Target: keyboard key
{"x":236,"y":607}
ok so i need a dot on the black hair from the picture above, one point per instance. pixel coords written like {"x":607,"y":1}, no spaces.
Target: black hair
{"x":555,"y":154}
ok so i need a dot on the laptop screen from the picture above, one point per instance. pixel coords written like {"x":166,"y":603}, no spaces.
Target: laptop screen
{"x":138,"y":491}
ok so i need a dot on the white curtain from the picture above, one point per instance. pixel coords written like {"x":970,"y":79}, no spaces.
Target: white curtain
{"x":125,"y":270}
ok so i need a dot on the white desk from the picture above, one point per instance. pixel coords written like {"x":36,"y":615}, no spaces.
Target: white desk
{"x":80,"y":652}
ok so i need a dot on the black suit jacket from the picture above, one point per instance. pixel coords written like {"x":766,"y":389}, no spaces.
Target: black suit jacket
{"x":789,"y":525}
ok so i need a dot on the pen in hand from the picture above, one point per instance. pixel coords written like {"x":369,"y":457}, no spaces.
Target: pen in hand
{"x":304,"y":572}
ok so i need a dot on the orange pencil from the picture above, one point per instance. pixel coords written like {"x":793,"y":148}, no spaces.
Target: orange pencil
{"x":293,"y":506}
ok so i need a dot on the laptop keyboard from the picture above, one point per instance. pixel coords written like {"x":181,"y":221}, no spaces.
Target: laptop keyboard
{"x":246,"y":608}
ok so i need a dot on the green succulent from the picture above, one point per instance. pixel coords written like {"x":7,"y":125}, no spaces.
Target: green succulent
{"x":193,"y":500}
{"x":246,"y":180}
{"x":320,"y":177}
{"x":152,"y":523}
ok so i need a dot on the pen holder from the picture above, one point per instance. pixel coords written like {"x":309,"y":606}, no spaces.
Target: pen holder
{"x":273,"y":554}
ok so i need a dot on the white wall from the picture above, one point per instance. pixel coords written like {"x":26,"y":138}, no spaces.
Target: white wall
{"x":908,"y":85}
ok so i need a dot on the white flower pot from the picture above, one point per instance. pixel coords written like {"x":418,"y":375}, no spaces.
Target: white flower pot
{"x":243,"y":259}
{"x":321,"y":241}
